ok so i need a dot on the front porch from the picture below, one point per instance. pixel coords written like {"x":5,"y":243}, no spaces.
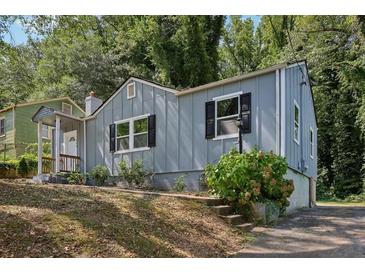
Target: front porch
{"x":66,"y":142}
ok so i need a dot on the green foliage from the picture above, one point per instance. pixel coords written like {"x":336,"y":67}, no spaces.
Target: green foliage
{"x":179,"y":184}
{"x":100,"y":174}
{"x":23,"y":167}
{"x":32,"y":149}
{"x":254,"y":176}
{"x":136,"y":174}
{"x":76,"y":178}
{"x":8,"y":168}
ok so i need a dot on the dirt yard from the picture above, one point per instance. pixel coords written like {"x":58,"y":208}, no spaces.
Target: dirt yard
{"x":39,"y":220}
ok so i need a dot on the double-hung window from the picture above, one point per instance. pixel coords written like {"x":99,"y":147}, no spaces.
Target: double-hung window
{"x":67,"y":108}
{"x":2,"y":126}
{"x":296,"y":122}
{"x":227,"y":111}
{"x":311,"y":142}
{"x":132,"y":134}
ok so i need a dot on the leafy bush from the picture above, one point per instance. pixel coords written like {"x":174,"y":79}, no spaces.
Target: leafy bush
{"x":179,"y":184}
{"x":23,"y":167}
{"x":8,"y":168}
{"x":76,"y":178}
{"x":135,"y":174}
{"x":100,"y":174}
{"x":255,"y":176}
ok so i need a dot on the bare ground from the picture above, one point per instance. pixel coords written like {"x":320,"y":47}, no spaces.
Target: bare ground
{"x":39,"y":220}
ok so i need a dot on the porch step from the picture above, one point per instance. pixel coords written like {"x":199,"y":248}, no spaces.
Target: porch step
{"x":222,"y":209}
{"x":246,"y":226}
{"x":234,"y":219}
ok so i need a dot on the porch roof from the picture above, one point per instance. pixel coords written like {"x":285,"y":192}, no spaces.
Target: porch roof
{"x":47,"y":116}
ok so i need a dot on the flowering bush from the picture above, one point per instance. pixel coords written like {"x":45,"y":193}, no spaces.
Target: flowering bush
{"x":254,"y":176}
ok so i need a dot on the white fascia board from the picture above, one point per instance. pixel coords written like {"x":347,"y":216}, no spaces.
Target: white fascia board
{"x":282,"y":113}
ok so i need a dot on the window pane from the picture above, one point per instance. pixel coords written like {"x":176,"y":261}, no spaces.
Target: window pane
{"x":2,"y":126}
{"x":140,"y":140}
{"x":140,"y":125}
{"x":123,"y":129}
{"x":296,"y":114}
{"x":227,"y":126}
{"x":45,"y":131}
{"x":227,"y":107}
{"x":296,"y":132}
{"x":311,"y":138}
{"x":123,"y":143}
{"x":66,"y":108}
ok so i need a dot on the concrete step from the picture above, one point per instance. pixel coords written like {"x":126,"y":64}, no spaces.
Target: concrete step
{"x":235,"y":219}
{"x":222,"y":209}
{"x":246,"y":226}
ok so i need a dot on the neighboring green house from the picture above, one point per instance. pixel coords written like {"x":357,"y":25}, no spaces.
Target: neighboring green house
{"x":17,"y":130}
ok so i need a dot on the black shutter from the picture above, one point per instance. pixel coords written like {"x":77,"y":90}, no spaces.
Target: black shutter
{"x":112,"y":137}
{"x":209,"y":120}
{"x":152,"y":130}
{"x":246,"y":112}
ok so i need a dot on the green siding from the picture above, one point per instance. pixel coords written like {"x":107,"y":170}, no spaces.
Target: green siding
{"x":26,"y":130}
{"x":7,"y":141}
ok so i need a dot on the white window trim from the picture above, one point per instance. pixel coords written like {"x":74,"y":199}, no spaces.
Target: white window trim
{"x":130,"y":136}
{"x":311,"y":143}
{"x":63,"y":106}
{"x":49,"y":134}
{"x":222,"y":98}
{"x":3,"y":135}
{"x":134,"y":88}
{"x":296,"y":140}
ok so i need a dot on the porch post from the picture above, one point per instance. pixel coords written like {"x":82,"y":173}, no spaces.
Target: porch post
{"x":57,"y":144}
{"x":40,"y":148}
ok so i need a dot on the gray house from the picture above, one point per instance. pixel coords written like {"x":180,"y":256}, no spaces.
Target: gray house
{"x":179,"y":132}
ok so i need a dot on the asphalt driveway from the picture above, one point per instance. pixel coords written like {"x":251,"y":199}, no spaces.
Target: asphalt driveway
{"x":329,"y":231}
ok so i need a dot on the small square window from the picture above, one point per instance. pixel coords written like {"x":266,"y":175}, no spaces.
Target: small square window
{"x":131,"y":91}
{"x":67,"y":108}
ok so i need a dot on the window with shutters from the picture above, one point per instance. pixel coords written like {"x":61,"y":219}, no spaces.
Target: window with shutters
{"x":2,"y":126}
{"x":296,"y":122}
{"x":132,"y":134}
{"x":227,"y":110}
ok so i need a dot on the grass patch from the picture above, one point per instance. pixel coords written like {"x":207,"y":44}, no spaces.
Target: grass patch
{"x":339,"y":203}
{"x":72,"y":221}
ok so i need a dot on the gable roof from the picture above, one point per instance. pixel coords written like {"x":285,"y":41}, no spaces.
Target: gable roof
{"x":121,"y":86}
{"x":35,"y":102}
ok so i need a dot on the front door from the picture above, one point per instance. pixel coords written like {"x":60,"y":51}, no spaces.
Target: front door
{"x":70,"y":141}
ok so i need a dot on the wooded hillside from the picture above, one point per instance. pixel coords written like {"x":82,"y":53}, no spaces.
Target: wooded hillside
{"x":72,"y":55}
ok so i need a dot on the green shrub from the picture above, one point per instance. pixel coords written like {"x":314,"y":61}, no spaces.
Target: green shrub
{"x":179,"y":184}
{"x":135,"y":174}
{"x":254,"y":176}
{"x":23,"y":167}
{"x":8,"y":168}
{"x":100,"y":174}
{"x":76,"y":178}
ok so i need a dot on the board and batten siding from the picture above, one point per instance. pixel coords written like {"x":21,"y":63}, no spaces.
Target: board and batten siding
{"x":293,"y":79}
{"x":180,"y":132}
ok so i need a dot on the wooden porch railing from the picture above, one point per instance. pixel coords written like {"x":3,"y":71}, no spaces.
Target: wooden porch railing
{"x":69,"y":163}
{"x":48,"y":165}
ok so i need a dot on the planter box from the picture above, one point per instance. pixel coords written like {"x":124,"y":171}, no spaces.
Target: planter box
{"x":265,"y":213}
